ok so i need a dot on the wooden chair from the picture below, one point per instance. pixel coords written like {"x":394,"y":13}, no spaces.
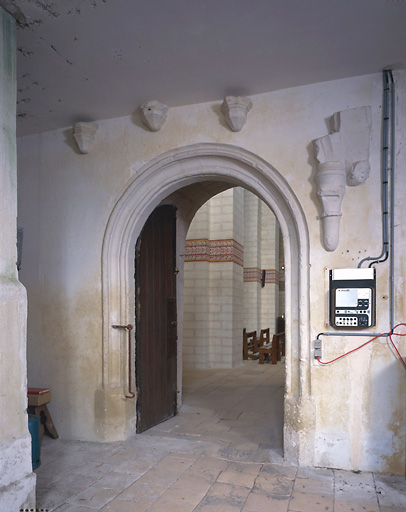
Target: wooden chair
{"x":249,"y":345}
{"x":273,"y":349}
{"x":264,"y":337}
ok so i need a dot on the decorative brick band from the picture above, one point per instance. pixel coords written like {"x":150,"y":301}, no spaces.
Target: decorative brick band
{"x":214,"y":251}
{"x":271,"y":276}
{"x":254,"y":275}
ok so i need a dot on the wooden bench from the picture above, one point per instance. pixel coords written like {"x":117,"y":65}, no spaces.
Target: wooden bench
{"x":273,"y":350}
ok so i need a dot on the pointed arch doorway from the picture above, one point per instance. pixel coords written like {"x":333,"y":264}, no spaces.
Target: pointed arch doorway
{"x":154,"y":183}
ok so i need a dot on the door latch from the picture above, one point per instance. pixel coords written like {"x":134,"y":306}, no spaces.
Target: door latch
{"x":128,"y":328}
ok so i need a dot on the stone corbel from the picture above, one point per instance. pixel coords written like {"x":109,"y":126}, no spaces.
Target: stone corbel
{"x":330,"y":180}
{"x":235,"y":110}
{"x":154,"y":114}
{"x":342,"y":159}
{"x":85,"y":135}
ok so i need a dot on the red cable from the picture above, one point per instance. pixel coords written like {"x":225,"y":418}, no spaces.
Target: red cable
{"x":394,"y":346}
{"x":369,"y":341}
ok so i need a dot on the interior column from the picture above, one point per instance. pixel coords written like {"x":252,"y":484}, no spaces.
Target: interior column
{"x":17,"y":481}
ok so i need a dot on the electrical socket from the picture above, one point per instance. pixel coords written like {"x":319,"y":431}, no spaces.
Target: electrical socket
{"x":317,"y":349}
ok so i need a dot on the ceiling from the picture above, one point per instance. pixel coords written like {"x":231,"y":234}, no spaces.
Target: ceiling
{"x":86,"y":60}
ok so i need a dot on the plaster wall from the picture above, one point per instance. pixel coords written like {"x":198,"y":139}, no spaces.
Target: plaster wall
{"x":64,"y":206}
{"x":17,"y":481}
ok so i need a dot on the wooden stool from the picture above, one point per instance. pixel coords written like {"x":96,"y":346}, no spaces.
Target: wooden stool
{"x":37,"y":400}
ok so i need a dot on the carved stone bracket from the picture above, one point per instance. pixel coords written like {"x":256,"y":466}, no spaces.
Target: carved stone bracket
{"x":342,"y":159}
{"x":85,"y":135}
{"x":154,"y":114}
{"x":235,"y":110}
{"x":330,"y":180}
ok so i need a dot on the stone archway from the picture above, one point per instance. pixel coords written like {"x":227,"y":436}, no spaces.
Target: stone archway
{"x":153,"y":183}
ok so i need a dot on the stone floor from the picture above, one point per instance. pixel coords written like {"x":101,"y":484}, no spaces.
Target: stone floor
{"x":222,"y":453}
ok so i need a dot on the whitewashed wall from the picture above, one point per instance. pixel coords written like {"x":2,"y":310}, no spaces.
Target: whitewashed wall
{"x":65,"y":202}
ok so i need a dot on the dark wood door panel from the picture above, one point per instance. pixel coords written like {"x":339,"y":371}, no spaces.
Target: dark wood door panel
{"x":156,"y":333}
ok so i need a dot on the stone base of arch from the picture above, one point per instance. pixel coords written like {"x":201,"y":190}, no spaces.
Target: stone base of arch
{"x":298,"y":430}
{"x":155,"y":182}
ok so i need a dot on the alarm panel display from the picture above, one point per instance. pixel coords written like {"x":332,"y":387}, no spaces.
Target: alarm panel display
{"x":352,"y":298}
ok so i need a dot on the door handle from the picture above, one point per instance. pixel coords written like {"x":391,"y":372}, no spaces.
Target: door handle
{"x":128,"y":328}
{"x":174,"y":324}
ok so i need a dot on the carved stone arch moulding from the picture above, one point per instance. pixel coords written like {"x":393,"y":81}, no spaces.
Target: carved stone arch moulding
{"x":154,"y":182}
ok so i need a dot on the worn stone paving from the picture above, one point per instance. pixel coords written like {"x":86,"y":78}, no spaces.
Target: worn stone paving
{"x":221,"y":453}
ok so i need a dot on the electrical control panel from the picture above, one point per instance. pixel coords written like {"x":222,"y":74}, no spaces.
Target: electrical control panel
{"x":352,"y":298}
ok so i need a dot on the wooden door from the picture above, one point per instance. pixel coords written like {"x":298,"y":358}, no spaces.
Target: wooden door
{"x":156,"y":331}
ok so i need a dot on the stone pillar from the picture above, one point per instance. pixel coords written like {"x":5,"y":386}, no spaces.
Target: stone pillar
{"x":195,"y":349}
{"x":225,"y":282}
{"x":281,"y":276}
{"x":238,"y":277}
{"x":213,"y":284}
{"x":252,"y":262}
{"x":17,"y":481}
{"x":270,"y":264}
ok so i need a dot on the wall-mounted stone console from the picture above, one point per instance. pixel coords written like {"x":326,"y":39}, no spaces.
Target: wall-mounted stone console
{"x":342,"y":159}
{"x":85,"y":136}
{"x":154,"y":114}
{"x":235,"y":110}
